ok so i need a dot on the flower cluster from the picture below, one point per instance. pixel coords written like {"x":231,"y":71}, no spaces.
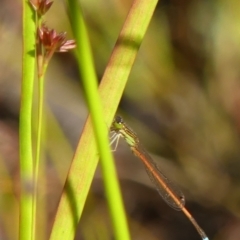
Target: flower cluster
{"x":51,"y":40}
{"x":41,"y":6}
{"x":48,"y":40}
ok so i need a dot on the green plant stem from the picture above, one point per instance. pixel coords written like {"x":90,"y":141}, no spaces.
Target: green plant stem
{"x":41,"y":81}
{"x":86,"y":66}
{"x":25,"y":127}
{"x":41,"y":68}
{"x":111,"y":89}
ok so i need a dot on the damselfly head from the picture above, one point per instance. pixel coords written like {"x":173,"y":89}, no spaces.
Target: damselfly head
{"x":118,"y":120}
{"x":117,"y":124}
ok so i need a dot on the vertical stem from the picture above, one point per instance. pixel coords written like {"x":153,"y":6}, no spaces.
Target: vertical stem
{"x":25,"y":128}
{"x":38,"y":149}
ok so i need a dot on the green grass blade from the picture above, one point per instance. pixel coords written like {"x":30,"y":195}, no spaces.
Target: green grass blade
{"x":86,"y":66}
{"x":25,"y":131}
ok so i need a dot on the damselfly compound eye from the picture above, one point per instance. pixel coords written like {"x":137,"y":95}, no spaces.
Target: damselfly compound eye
{"x":118,"y":119}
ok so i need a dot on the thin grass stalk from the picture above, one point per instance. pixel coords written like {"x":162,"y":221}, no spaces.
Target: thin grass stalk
{"x":86,"y":66}
{"x":25,"y":127}
{"x":38,"y":148}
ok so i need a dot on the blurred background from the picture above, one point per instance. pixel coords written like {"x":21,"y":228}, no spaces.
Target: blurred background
{"x":182,"y":99}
